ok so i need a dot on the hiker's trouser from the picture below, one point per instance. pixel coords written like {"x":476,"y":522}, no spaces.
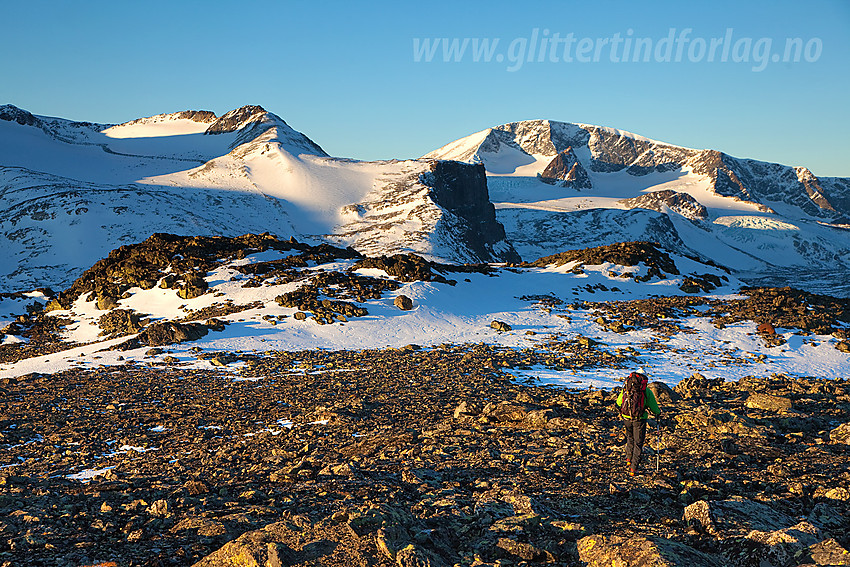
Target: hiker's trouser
{"x":635,"y":436}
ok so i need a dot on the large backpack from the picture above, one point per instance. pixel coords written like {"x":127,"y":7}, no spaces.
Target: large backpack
{"x":634,"y":392}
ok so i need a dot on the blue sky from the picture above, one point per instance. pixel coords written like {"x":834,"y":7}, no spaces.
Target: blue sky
{"x":344,"y":73}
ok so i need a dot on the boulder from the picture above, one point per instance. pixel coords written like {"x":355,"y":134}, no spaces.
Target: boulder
{"x":466,"y":408}
{"x":698,"y":386}
{"x":505,"y":411}
{"x":120,"y":322}
{"x":605,"y":551}
{"x":766,"y":329}
{"x":781,"y":546}
{"x":720,"y":423}
{"x":520,"y":550}
{"x":768,"y":402}
{"x":827,"y":516}
{"x":415,"y":556}
{"x":194,"y":287}
{"x":403,"y":302}
{"x":167,"y":333}
{"x":827,"y":552}
{"x":663,"y":393}
{"x":106,"y":302}
{"x":294,"y":541}
{"x":735,"y":517}
{"x":539,"y":418}
{"x":840,"y":435}
{"x":500,"y":326}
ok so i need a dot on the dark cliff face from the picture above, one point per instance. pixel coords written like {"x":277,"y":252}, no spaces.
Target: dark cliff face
{"x":461,"y":189}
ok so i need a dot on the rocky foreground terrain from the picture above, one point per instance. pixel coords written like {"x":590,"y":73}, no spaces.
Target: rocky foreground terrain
{"x":415,"y":457}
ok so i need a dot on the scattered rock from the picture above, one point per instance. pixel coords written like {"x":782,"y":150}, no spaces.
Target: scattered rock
{"x":403,"y":302}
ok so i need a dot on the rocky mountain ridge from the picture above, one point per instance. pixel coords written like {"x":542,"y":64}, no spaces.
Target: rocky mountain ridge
{"x":613,"y":150}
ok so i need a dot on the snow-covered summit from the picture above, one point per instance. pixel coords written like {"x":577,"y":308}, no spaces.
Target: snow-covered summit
{"x":75,"y":190}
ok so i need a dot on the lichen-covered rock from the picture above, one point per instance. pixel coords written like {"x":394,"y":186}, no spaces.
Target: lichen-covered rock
{"x":521,"y":550}
{"x":106,"y":302}
{"x":698,"y":386}
{"x":768,"y":402}
{"x":403,"y":302}
{"x":505,"y":411}
{"x":719,"y":422}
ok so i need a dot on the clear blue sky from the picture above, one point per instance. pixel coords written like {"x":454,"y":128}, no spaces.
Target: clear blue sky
{"x":344,"y":72}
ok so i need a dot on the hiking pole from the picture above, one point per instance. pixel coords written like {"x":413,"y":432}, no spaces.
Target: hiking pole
{"x":658,"y":442}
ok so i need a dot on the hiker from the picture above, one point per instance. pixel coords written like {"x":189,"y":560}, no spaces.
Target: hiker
{"x":636,"y":401}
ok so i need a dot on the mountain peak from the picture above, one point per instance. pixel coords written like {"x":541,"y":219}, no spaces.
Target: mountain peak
{"x":240,"y":117}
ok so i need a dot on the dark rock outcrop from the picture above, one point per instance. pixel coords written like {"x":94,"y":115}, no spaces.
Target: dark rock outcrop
{"x":12,"y":113}
{"x":650,"y":254}
{"x":237,"y":119}
{"x":566,"y":171}
{"x":253,"y":120}
{"x":180,"y":261}
{"x":461,"y":189}
{"x":167,"y":333}
{"x":681,"y":203}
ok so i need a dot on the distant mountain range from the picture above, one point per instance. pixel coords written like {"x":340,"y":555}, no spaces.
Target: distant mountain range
{"x":558,"y":185}
{"x":72,"y":191}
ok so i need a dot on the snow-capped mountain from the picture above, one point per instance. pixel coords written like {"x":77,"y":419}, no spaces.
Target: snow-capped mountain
{"x":73,"y":191}
{"x":559,"y":185}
